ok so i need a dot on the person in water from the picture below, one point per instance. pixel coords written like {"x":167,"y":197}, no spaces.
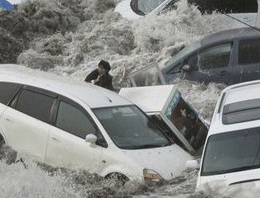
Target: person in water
{"x":101,"y":76}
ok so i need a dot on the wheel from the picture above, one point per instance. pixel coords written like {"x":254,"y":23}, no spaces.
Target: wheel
{"x":117,"y":179}
{"x":2,"y":141}
{"x":7,"y":154}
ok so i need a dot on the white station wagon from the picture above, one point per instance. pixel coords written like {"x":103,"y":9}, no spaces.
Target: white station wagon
{"x":231,"y":156}
{"x":77,"y":125}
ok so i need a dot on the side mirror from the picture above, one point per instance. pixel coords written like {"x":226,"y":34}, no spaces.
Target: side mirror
{"x":193,"y":164}
{"x":91,"y":138}
{"x":186,"y":68}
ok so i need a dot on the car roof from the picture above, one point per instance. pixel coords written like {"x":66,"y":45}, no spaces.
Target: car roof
{"x":247,"y":91}
{"x":230,"y":34}
{"x":92,"y":95}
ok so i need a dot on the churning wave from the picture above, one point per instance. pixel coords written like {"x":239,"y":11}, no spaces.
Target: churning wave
{"x":69,"y":38}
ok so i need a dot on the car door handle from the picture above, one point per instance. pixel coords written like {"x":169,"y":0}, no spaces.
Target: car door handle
{"x":223,"y":73}
{"x":8,"y":119}
{"x":56,"y":139}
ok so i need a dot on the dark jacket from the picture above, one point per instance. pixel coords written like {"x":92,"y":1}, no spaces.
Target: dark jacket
{"x":92,"y":76}
{"x":104,"y":81}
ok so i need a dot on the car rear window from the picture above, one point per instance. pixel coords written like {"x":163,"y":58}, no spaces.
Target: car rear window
{"x":7,"y":91}
{"x":241,"y":111}
{"x":249,"y":51}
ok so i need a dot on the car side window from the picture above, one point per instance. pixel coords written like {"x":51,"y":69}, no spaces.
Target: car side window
{"x":249,"y":51}
{"x":71,"y":119}
{"x":215,"y":57}
{"x":10,"y":89}
{"x":192,"y":60}
{"x":35,"y":104}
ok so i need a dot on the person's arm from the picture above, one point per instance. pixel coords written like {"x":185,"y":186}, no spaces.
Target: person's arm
{"x":105,"y":81}
{"x":92,"y":76}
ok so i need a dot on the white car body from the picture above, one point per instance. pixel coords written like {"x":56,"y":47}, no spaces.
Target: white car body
{"x":223,"y":124}
{"x":55,"y":146}
{"x":126,"y":11}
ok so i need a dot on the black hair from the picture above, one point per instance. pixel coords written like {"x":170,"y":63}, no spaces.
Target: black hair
{"x":105,"y":65}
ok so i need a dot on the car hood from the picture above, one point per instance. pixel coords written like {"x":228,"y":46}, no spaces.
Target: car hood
{"x":168,"y":161}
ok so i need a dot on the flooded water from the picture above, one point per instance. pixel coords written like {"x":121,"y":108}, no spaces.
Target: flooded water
{"x":69,"y":38}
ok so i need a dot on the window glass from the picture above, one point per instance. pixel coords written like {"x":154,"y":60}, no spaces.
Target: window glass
{"x":182,"y":53}
{"x":214,"y":57}
{"x":231,"y":152}
{"x":74,"y":121}
{"x":249,"y":51}
{"x":35,"y":104}
{"x":192,"y":61}
{"x":130,"y":128}
{"x":175,"y":69}
{"x":147,"y":76}
{"x":7,"y":91}
{"x":143,"y":7}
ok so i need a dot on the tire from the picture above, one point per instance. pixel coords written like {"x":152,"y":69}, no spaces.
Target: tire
{"x":117,"y":178}
{"x":7,"y":154}
{"x":2,"y":141}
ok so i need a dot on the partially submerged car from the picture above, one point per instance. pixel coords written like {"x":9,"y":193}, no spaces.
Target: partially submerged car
{"x":231,"y":154}
{"x":77,"y":125}
{"x":228,"y":57}
{"x":135,"y":9}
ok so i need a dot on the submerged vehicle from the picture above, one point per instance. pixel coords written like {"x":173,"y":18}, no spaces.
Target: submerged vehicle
{"x":134,"y":9}
{"x":229,"y":57}
{"x":66,"y":123}
{"x":231,"y":156}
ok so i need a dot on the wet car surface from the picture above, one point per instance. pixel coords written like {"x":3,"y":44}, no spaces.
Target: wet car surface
{"x":228,"y":57}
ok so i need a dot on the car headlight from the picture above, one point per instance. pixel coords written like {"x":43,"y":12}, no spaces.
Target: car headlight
{"x":151,"y":176}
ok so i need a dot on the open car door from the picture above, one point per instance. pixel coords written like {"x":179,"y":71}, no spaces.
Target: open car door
{"x":147,"y":76}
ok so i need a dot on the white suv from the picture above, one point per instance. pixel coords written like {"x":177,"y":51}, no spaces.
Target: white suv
{"x":77,"y":125}
{"x":231,"y":155}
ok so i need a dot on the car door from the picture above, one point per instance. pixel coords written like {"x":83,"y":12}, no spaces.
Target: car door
{"x":213,"y":64}
{"x":26,"y":121}
{"x":67,"y":146}
{"x":209,"y":64}
{"x":249,"y":59}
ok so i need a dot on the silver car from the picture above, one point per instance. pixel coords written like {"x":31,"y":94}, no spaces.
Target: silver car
{"x":228,"y":57}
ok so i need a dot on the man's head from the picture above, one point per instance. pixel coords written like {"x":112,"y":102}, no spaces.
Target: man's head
{"x":104,"y":66}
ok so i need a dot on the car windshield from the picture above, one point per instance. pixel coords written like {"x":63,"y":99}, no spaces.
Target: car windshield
{"x":130,"y":128}
{"x":184,"y":52}
{"x":144,"y":7}
{"x":231,"y":152}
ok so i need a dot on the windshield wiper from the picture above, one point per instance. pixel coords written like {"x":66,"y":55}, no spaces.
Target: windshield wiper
{"x":146,"y":146}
